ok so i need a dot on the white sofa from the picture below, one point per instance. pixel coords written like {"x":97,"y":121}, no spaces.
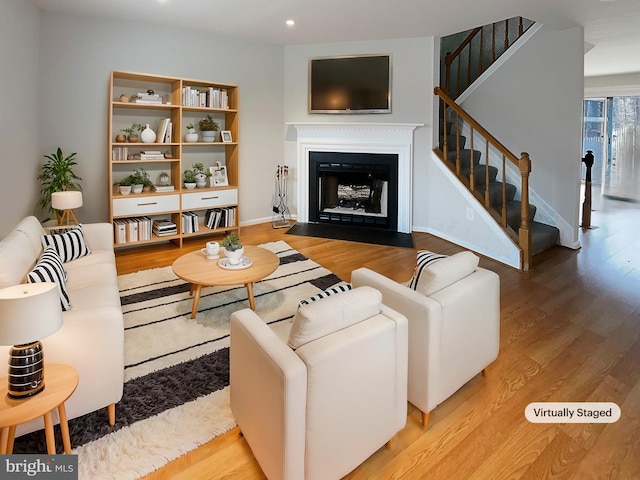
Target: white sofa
{"x":454,"y":332}
{"x":92,"y":336}
{"x":316,"y":397}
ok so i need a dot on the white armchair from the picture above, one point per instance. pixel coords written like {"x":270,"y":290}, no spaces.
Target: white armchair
{"x":454,"y":333}
{"x":318,"y":401}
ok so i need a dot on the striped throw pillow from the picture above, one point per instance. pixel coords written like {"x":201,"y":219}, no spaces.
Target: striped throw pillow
{"x":49,"y":269}
{"x":329,"y":291}
{"x":69,"y":245}
{"x":424,"y":258}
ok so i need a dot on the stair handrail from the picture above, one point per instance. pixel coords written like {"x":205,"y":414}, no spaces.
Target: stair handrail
{"x":523,"y":164}
{"x":450,"y":57}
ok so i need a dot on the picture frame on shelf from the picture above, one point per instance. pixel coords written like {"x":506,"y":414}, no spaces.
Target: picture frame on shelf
{"x":219,"y":176}
{"x":226,"y":136}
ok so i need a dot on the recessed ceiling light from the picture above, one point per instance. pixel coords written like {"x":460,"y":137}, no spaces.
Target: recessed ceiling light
{"x":290,"y":23}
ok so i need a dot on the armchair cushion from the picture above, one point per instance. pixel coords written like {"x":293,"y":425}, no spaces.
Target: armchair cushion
{"x":329,"y":291}
{"x":333,"y":313}
{"x":434,"y":272}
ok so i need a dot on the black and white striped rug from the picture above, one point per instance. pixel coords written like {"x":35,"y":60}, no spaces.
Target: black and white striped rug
{"x":176,"y":394}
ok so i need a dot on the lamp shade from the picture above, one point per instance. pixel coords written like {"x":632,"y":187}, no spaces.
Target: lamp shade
{"x":66,"y":200}
{"x":29,"y":312}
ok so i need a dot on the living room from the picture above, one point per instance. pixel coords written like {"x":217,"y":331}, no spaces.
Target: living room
{"x":56,"y":96}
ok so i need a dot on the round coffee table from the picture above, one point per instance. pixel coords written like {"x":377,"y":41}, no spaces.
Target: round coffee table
{"x":200,"y":272}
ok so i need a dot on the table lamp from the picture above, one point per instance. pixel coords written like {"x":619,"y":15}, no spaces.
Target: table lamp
{"x":67,"y":201}
{"x":28,"y":312}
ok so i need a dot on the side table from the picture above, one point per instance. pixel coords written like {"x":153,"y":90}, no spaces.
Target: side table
{"x":60,"y":382}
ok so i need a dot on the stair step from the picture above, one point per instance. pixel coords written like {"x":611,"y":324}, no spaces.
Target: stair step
{"x":513,"y":213}
{"x":543,"y":237}
{"x":495,"y":194}
{"x":451,"y":142}
{"x":465,"y":157}
{"x":479,"y":174}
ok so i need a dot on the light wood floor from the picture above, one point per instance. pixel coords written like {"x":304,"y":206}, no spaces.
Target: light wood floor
{"x":570,"y":332}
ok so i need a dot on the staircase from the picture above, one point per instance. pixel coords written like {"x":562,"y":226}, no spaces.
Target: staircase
{"x":489,"y":183}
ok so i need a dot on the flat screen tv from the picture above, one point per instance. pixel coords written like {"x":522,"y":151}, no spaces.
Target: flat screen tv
{"x":350,"y":84}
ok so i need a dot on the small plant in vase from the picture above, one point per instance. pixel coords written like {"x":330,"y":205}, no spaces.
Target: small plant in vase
{"x":133,"y":132}
{"x":192,"y":135}
{"x":141,"y":177}
{"x":200,"y":175}
{"x":124,"y":185}
{"x":208,"y":128}
{"x":189,"y":179}
{"x":233,"y":249}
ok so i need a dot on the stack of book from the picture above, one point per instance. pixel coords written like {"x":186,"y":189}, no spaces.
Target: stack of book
{"x":151,"y":98}
{"x":163,"y":132}
{"x":162,"y":188}
{"x":162,"y":228}
{"x":189,"y":222}
{"x":120,"y":153}
{"x":209,"y":97}
{"x":220,"y":217}
{"x":136,"y":229}
{"x":151,"y":155}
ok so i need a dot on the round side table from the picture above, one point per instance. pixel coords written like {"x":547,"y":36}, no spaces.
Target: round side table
{"x":60,"y":382}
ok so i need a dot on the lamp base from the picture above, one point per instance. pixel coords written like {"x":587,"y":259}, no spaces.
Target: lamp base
{"x":26,"y":370}
{"x":65,"y":218}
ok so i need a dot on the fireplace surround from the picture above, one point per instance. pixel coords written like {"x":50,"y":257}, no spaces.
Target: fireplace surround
{"x":358,"y":138}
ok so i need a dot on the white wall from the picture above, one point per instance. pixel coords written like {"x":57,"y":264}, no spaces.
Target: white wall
{"x":411,"y":102}
{"x":76,"y":57}
{"x":19,"y":130}
{"x":534,"y":104}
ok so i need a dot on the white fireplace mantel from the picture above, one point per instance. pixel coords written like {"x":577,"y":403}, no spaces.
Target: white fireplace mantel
{"x":393,"y":138}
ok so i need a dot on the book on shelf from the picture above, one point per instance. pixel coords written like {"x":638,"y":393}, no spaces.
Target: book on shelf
{"x":161,"y":131}
{"x":167,"y":135}
{"x":163,"y":188}
{"x":190,"y":222}
{"x":119,"y":153}
{"x":151,"y":152}
{"x":164,"y":227}
{"x":149,"y":156}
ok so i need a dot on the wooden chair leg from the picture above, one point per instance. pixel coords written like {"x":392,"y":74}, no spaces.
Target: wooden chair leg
{"x":484,"y":372}
{"x":111,"y":412}
{"x":390,"y":443}
{"x":425,"y":418}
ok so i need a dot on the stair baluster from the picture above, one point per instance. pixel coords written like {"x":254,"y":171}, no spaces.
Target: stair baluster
{"x":524,"y":234}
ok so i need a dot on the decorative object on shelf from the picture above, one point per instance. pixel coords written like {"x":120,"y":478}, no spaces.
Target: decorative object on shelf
{"x":219,"y":175}
{"x":200,"y":175}
{"x":141,"y":181}
{"x":147,"y":135}
{"x":132,"y":132}
{"x":65,"y":202}
{"x":189,"y":179}
{"x":124,"y":185}
{"x":56,"y":175}
{"x":192,"y":135}
{"x":226,"y":136}
{"x":28,"y":313}
{"x":124,"y":98}
{"x":121,"y":138}
{"x":208,"y":129}
{"x":282,"y":216}
{"x":211,"y":250}
{"x":233,"y":249}
{"x":164,"y":178}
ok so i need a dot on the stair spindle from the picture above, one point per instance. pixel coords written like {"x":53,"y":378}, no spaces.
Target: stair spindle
{"x":524,"y":234}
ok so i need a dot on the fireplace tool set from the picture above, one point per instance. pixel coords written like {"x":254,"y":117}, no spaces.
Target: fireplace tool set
{"x":282,"y":216}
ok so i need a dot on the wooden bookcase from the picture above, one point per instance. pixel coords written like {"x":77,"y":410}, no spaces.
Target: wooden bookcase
{"x":140,"y":210}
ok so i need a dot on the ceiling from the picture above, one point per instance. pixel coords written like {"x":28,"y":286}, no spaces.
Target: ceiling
{"x":611,"y":27}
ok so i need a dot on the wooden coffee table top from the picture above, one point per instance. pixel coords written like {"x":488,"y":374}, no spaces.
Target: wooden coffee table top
{"x":195,"y":268}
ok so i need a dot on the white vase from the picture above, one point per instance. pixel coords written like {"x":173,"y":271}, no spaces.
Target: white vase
{"x":189,"y":185}
{"x":208,"y":135}
{"x":191,"y":137}
{"x":234,"y":256}
{"x":201,"y":180}
{"x":147,"y":135}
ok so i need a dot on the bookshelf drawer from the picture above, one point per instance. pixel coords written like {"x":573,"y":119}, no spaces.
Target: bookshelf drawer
{"x":209,"y":199}
{"x":145,"y":205}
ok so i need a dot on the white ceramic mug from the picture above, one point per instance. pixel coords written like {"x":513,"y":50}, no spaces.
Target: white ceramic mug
{"x":211,"y":250}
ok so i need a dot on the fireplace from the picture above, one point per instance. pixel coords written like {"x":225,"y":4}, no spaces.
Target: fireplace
{"x":395,"y":139}
{"x":357,"y":189}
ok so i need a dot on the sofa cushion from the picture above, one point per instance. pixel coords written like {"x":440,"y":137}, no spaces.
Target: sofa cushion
{"x":50,"y":269}
{"x":333,"y":313}
{"x":439,"y":273}
{"x":424,"y":258}
{"x":329,"y":291}
{"x":69,"y":245}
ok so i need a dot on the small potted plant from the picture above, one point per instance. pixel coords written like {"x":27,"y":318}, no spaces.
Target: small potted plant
{"x":124,"y":185}
{"x":192,"y":135}
{"x":57,"y":175}
{"x":189,"y":179}
{"x":233,"y":249}
{"x":201,"y":175}
{"x":141,"y":177}
{"x":133,"y":132}
{"x":208,"y":128}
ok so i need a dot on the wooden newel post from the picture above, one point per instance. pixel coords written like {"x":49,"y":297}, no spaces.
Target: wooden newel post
{"x":586,"y":205}
{"x":524,"y":233}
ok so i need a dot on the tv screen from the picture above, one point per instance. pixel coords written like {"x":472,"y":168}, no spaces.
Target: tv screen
{"x":350,"y":84}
